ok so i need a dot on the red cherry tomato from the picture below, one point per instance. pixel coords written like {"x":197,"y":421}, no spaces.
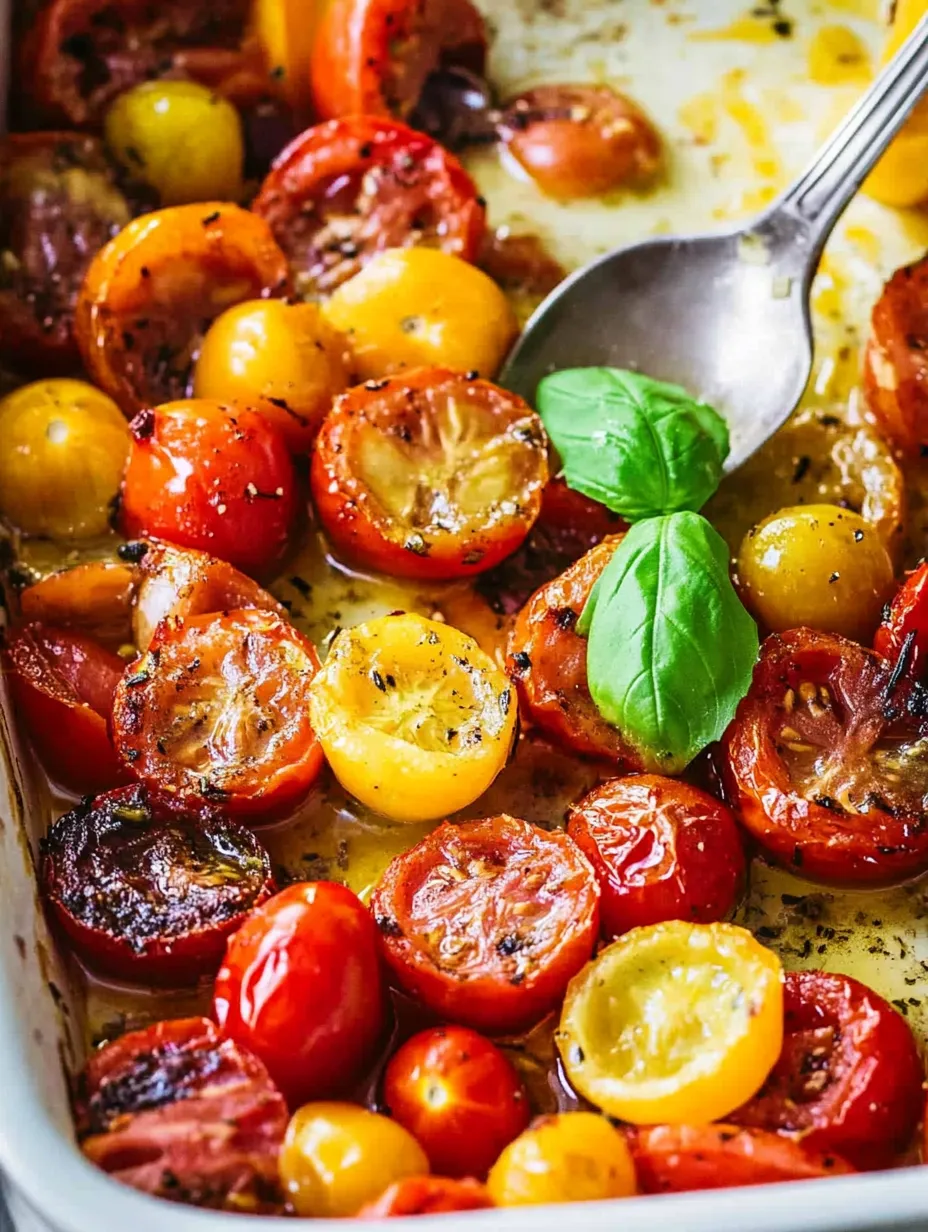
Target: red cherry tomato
{"x":849,"y":1078}
{"x":822,"y":762}
{"x":662,"y":850}
{"x":430,"y":474}
{"x":63,"y":686}
{"x":895,"y":360}
{"x":179,"y":1112}
{"x":94,"y":599}
{"x":345,"y":190}
{"x":371,"y":57}
{"x":208,"y":476}
{"x":677,"y":1158}
{"x":427,"y":1195}
{"x":458,"y":1096}
{"x":146,"y":892}
{"x":486,"y":922}
{"x":301,"y":988}
{"x":523,"y":266}
{"x":903,"y":635}
{"x":218,"y":709}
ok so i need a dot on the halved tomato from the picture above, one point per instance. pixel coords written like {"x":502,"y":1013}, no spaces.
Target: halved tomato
{"x":849,"y":1079}
{"x":372,"y":57}
{"x":824,"y":761}
{"x":147,"y":892}
{"x":63,"y":685}
{"x":150,"y":295}
{"x":902,"y":638}
{"x":427,"y":1195}
{"x":485,"y":922}
{"x":896,"y":358}
{"x":177,"y":1111}
{"x":94,"y":599}
{"x":217,"y":710}
{"x":430,"y":474}
{"x":348,"y":189}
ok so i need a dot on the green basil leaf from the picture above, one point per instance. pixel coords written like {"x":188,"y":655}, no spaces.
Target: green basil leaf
{"x":639,"y":446}
{"x":670,"y":648}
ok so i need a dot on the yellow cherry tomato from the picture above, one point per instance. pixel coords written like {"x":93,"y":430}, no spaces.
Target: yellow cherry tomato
{"x":900,"y":178}
{"x":816,"y":565}
{"x":180,"y":138}
{"x":414,"y":718}
{"x":336,"y":1157}
{"x":570,"y":1157}
{"x":63,"y":448}
{"x":284,"y":360}
{"x":674,"y":1023}
{"x":420,"y":307}
{"x":286,"y":30}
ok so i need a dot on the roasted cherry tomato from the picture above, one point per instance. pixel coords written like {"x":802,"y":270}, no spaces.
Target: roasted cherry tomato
{"x":485,"y":922}
{"x":674,"y":1022}
{"x":218,"y":709}
{"x":345,"y":190}
{"x":427,"y":1195}
{"x":662,"y":850}
{"x":59,"y":204}
{"x":301,"y":987}
{"x":146,"y":892}
{"x":896,"y":359}
{"x":94,"y":599}
{"x":849,"y":1079}
{"x":546,"y":660}
{"x":372,"y":57}
{"x":286,"y":31}
{"x":459,"y":1097}
{"x":823,"y":762}
{"x":210,"y":476}
{"x":151,"y":293}
{"x":677,"y":1158}
{"x":522,"y":266}
{"x":63,"y":685}
{"x":581,"y":141}
{"x":179,"y":1112}
{"x":429,"y":475}
{"x":903,"y":634}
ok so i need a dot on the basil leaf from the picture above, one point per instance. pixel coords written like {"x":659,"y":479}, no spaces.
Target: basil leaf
{"x":639,"y":446}
{"x":671,"y":647}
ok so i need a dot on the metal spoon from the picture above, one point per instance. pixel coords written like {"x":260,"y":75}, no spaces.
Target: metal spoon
{"x":726,"y":316}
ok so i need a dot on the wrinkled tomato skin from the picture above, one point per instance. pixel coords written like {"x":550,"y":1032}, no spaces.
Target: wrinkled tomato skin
{"x":518,"y":965}
{"x":661,"y":849}
{"x":904,"y":630}
{"x":178,"y":1112}
{"x":63,"y":686}
{"x":817,"y":834}
{"x":301,"y":987}
{"x":205,"y":476}
{"x":679,"y":1158}
{"x":427,"y":1195}
{"x":849,"y":1079}
{"x":102,"y":873}
{"x":895,"y":371}
{"x":459,"y":1096}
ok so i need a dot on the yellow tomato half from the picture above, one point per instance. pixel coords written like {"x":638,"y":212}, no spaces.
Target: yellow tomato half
{"x":676,"y":1022}
{"x":420,"y":307}
{"x":414,"y":718}
{"x":286,"y":30}
{"x":900,"y":178}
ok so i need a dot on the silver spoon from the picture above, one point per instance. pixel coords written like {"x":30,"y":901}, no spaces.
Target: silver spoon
{"x":726,"y":316}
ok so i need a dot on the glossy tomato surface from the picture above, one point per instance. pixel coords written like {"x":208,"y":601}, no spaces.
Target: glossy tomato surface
{"x":93,"y":599}
{"x":849,"y":1079}
{"x":301,"y":987}
{"x":176,"y":1111}
{"x":485,"y":922}
{"x":427,"y":1195}
{"x":661,"y":849}
{"x":147,"y":892}
{"x":217,"y":710}
{"x":902,"y":637}
{"x":430,"y":474}
{"x":821,"y":762}
{"x":895,"y":361}
{"x":208,"y":476}
{"x":459,"y":1096}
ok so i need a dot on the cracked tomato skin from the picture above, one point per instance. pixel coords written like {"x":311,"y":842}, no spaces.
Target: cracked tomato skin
{"x":427,"y":1195}
{"x":849,"y":1079}
{"x":179,"y":1112}
{"x":903,"y":632}
{"x":895,"y":374}
{"x":816,"y":766}
{"x":103,"y":873}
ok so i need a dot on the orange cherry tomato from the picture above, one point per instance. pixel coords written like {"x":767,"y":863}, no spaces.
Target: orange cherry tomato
{"x":486,"y":922}
{"x":430,"y":474}
{"x":217,"y":709}
{"x":150,"y":295}
{"x":459,"y":1097}
{"x":903,"y":635}
{"x":94,"y":599}
{"x":427,"y":1195}
{"x":896,"y":359}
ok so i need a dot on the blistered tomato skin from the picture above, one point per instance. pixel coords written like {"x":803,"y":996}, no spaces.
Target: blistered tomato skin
{"x":902,"y":636}
{"x":849,"y":1079}
{"x":205,"y":475}
{"x":318,"y":936}
{"x":485,"y":922}
{"x":661,"y":849}
{"x":895,"y":362}
{"x":427,"y":1195}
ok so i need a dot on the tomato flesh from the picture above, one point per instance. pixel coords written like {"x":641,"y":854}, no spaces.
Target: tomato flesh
{"x":895,"y":372}
{"x":427,"y":1195}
